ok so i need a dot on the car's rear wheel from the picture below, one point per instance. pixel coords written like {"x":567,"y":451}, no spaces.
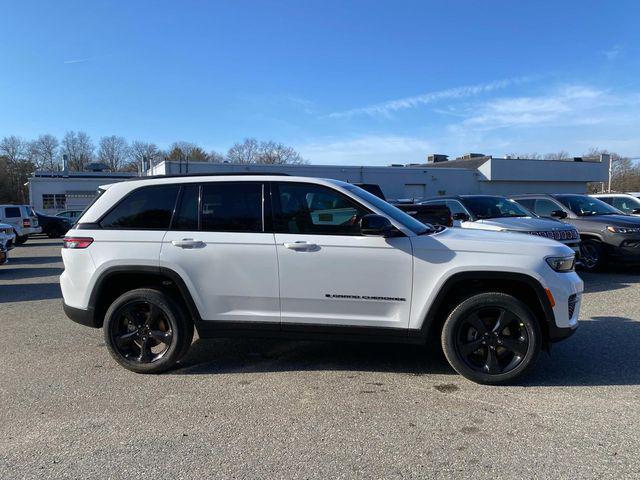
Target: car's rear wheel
{"x":55,"y":232}
{"x":592,"y":257}
{"x":146,"y":331}
{"x":491,"y":338}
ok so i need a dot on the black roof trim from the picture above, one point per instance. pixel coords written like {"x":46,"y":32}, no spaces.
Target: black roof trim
{"x":217,"y":174}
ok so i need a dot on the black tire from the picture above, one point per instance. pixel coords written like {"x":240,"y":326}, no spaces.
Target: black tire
{"x":142,"y":320}
{"x":54,"y":233}
{"x":592,"y":256}
{"x":490,"y":350}
{"x":20,"y":239}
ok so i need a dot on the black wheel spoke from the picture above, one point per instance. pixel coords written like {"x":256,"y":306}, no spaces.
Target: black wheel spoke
{"x":154,"y":313}
{"x":145,"y":351}
{"x":159,"y":335}
{"x":515,"y":346}
{"x":126,"y":339}
{"x":477,"y":323}
{"x":504,"y":318}
{"x":469,"y":348}
{"x":491,"y":363}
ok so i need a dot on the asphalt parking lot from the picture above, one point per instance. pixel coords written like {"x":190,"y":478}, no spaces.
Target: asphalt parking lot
{"x":276,"y":409}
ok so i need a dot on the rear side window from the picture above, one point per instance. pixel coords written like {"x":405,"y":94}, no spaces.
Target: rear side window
{"x":12,"y":212}
{"x":148,"y":208}
{"x":231,"y":207}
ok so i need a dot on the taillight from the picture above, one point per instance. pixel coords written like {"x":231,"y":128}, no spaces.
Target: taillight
{"x":76,"y":242}
{"x":26,"y":222}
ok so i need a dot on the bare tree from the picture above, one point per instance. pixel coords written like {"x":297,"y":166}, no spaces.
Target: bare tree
{"x":114,"y":151}
{"x":79,"y":149}
{"x":268,"y":153}
{"x":215,"y":157}
{"x":143,"y":152}
{"x":13,"y":151}
{"x":272,"y":153}
{"x":245,"y":152}
{"x":561,"y":155}
{"x":43,"y":152}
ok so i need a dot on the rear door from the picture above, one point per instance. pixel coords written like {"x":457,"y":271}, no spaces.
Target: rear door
{"x":329,"y":273}
{"x":219,"y":245}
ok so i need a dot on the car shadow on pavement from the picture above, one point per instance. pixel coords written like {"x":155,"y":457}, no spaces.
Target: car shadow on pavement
{"x":610,"y":280}
{"x":32,"y":260}
{"x":603,"y":351}
{"x":21,"y":273}
{"x":42,"y":244}
{"x":268,"y":355}
{"x":22,"y":292}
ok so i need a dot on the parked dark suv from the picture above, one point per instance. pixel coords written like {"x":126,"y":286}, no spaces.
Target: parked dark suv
{"x":607,"y":233}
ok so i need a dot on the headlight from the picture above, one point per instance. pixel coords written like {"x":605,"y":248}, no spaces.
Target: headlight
{"x":623,"y":229}
{"x":562,"y":264}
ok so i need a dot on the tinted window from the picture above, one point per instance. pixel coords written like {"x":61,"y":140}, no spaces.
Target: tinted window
{"x":626,"y":204}
{"x":494,"y":207}
{"x":186,"y":217}
{"x":545,"y":207}
{"x":313,"y":209}
{"x":232,"y":207}
{"x":455,"y":206}
{"x":12,"y":212}
{"x":527,"y":203}
{"x":585,"y":206}
{"x":148,"y":208}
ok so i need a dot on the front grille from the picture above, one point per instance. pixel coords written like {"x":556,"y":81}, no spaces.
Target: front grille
{"x":561,"y":235}
{"x":573,"y":300}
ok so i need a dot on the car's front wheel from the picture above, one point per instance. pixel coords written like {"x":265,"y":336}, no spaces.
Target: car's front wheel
{"x":146,"y":331}
{"x":592,"y":257}
{"x":491,"y":338}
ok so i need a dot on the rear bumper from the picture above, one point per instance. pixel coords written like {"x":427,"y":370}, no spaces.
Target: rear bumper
{"x":81,"y":316}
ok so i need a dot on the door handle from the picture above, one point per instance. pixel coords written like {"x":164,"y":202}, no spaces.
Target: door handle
{"x":300,"y":245}
{"x":187,"y":243}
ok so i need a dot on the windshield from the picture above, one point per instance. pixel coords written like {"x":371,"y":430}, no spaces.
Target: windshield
{"x":585,"y":206}
{"x":398,"y":215}
{"x":494,"y":207}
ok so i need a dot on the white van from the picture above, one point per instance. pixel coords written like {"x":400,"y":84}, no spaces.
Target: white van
{"x":22,"y":218}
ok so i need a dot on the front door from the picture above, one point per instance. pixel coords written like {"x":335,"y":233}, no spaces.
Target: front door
{"x":329,"y":273}
{"x":218,"y":245}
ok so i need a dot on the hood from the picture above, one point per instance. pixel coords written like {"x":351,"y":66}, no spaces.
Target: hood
{"x":522,"y":224}
{"x":614,"y":220}
{"x":476,"y":240}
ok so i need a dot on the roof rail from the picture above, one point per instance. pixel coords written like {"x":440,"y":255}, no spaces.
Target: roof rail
{"x":232,"y":174}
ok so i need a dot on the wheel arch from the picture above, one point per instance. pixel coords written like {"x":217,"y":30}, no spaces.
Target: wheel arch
{"x":465,"y":284}
{"x":116,"y":280}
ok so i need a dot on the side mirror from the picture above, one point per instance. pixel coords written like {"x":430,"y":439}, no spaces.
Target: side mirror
{"x":559,"y":214}
{"x":460,"y":216}
{"x":375,"y":226}
{"x":636,"y":211}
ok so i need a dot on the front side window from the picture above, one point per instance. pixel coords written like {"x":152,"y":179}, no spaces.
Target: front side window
{"x":494,"y":207}
{"x":148,"y":208}
{"x":585,"y":206}
{"x":231,"y":207}
{"x":313,"y":209}
{"x":545,"y":207}
{"x":455,"y":207}
{"x":625,"y":204}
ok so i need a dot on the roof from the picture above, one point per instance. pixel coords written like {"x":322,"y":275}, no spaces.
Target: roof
{"x":466,"y":163}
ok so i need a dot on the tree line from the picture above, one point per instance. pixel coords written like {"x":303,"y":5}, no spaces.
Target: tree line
{"x":19,"y":157}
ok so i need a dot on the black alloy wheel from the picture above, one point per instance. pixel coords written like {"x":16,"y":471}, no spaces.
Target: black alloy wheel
{"x":141,"y":332}
{"x":591,"y":256}
{"x":146,"y":331}
{"x":491,"y":338}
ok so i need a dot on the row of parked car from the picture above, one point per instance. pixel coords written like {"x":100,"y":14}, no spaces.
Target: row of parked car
{"x":600,"y":228}
{"x":18,"y":222}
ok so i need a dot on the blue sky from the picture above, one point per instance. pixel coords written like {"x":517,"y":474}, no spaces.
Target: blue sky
{"x":345,"y":82}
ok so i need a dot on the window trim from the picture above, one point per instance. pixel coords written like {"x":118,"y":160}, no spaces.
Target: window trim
{"x":276,"y":206}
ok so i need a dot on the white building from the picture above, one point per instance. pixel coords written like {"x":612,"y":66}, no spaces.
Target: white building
{"x":472,"y":174}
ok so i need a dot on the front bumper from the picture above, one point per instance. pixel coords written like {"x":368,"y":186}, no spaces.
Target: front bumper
{"x":81,"y":316}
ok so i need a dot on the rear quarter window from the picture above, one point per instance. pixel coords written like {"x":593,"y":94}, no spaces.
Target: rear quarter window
{"x":147,"y":208}
{"x":12,"y":212}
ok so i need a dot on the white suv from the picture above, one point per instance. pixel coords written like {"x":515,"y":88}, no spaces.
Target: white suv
{"x":23,"y":220}
{"x":298,"y":257}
